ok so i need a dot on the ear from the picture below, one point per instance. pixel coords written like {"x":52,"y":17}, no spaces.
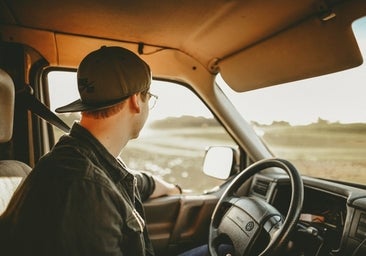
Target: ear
{"x":135,"y":103}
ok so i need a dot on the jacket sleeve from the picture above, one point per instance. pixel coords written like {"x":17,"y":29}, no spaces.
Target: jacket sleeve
{"x":145,"y":184}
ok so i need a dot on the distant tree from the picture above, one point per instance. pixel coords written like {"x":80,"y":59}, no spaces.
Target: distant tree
{"x":184,"y":121}
{"x":280,"y":123}
{"x":322,"y":121}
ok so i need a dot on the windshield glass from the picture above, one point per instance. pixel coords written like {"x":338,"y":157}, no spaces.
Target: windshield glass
{"x":319,"y":124}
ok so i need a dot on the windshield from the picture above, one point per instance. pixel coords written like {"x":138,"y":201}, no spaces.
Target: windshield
{"x":319,"y":124}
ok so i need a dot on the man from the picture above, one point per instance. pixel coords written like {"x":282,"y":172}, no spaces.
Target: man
{"x":81,"y":199}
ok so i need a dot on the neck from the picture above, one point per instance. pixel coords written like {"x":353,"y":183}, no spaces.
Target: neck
{"x":110,"y":132}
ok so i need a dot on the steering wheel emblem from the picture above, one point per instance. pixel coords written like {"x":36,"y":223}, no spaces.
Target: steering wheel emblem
{"x":249,"y":226}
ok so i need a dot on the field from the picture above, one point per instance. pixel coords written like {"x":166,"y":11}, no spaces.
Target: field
{"x":331,"y":151}
{"x":176,"y":154}
{"x":327,"y":150}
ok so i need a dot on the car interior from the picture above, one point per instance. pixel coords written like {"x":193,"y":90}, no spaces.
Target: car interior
{"x":263,"y":204}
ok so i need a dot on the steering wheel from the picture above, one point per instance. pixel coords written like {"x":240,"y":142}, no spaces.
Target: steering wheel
{"x":251,"y":225}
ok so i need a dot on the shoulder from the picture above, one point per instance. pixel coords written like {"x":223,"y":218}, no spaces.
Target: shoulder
{"x":69,"y":164}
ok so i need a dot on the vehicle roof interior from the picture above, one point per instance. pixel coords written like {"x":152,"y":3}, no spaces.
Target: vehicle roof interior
{"x":251,"y":43}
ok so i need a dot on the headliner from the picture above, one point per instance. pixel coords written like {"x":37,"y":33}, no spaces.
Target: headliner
{"x":252,"y":43}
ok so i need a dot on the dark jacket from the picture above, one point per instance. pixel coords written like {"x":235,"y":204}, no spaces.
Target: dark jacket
{"x":78,"y":200}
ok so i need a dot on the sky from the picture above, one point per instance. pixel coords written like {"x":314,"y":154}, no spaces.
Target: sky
{"x":340,"y":97}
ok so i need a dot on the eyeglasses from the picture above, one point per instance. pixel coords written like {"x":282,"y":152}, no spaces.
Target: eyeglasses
{"x":152,"y":100}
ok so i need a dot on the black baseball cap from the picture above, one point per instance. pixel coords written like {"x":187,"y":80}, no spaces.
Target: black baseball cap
{"x":108,"y":76}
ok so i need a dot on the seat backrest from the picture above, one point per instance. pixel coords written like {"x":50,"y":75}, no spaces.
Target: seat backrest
{"x":12,"y":172}
{"x":7,"y":98}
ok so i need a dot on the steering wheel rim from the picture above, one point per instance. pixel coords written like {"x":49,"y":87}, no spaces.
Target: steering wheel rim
{"x":293,"y":214}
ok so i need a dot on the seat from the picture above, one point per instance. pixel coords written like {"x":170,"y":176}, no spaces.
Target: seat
{"x":12,"y":172}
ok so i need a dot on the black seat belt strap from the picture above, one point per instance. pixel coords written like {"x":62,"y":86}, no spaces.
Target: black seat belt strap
{"x":41,"y":110}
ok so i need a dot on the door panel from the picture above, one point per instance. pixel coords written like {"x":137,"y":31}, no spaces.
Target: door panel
{"x":178,"y":223}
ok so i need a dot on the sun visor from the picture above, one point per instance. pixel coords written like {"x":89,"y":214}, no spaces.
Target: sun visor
{"x":312,"y":48}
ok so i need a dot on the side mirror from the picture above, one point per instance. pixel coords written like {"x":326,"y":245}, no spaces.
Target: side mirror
{"x":219,"y":162}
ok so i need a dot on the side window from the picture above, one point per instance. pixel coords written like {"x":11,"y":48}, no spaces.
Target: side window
{"x":62,"y":90}
{"x":173,"y":141}
{"x":175,"y":137}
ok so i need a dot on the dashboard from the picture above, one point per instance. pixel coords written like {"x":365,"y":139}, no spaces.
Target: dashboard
{"x":333,"y":216}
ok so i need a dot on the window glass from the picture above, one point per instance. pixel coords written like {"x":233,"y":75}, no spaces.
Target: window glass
{"x":62,"y":90}
{"x":319,"y":124}
{"x":173,"y":142}
{"x":175,"y":137}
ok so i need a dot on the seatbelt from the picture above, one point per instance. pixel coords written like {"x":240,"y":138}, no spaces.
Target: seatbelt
{"x":35,"y":106}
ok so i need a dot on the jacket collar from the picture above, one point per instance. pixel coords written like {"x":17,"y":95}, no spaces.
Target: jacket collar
{"x":90,"y":146}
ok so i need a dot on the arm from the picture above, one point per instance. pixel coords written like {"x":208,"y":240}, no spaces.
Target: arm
{"x":151,"y":186}
{"x":163,"y":188}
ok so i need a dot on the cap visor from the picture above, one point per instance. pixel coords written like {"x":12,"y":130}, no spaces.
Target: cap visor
{"x":75,"y":106}
{"x":78,"y":106}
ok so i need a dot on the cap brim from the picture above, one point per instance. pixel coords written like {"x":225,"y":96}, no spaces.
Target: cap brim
{"x":79,"y":106}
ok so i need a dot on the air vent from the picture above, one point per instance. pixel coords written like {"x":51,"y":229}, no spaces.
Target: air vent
{"x":361,"y":228}
{"x":261,"y":187}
